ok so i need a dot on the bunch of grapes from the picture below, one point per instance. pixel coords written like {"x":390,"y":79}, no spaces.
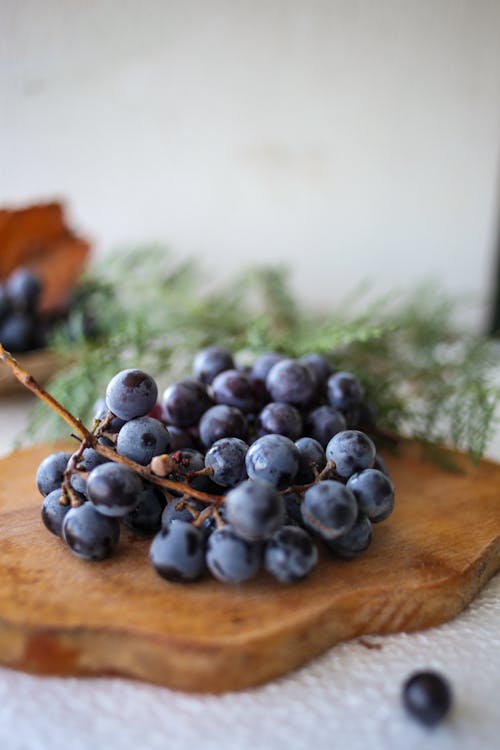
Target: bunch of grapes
{"x":22,"y":328}
{"x":234,"y":468}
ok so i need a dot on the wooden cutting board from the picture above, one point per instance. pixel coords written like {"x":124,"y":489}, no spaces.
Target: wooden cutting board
{"x":60,"y":615}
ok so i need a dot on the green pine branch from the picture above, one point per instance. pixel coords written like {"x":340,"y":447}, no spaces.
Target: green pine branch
{"x":150,"y":311}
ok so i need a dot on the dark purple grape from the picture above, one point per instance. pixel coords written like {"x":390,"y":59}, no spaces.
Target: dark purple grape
{"x":101,"y":412}
{"x":355,"y":541}
{"x":177,"y":552}
{"x":185,"y":401}
{"x":53,"y":512}
{"x":187,"y":461}
{"x":17,"y":332}
{"x":181,"y":510}
{"x":351,"y":451}
{"x":130,"y":394}
{"x":230,"y":558}
{"x":222,"y":421}
{"x":114,"y":489}
{"x":323,"y":423}
{"x":50,"y":473}
{"x":226,"y":458}
{"x":379,"y":464}
{"x":89,"y":534}
{"x":5,"y":307}
{"x":89,"y":460}
{"x":320,"y":367}
{"x":292,"y":382}
{"x":344,"y":391}
{"x":264,"y":363}
{"x":209,"y":362}
{"x":23,"y":289}
{"x":143,"y":438}
{"x":374,"y":493}
{"x":239,"y":389}
{"x":255,"y":510}
{"x":427,"y":697}
{"x":146,"y":516}
{"x":290,"y":554}
{"x":329,"y":509}
{"x":312,"y":459}
{"x":273,"y":458}
{"x":293,"y":514}
{"x":180,"y":438}
{"x":367,"y":415}
{"x":280,"y":419}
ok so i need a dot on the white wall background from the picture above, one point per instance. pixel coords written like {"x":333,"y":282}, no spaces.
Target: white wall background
{"x":351,"y":139}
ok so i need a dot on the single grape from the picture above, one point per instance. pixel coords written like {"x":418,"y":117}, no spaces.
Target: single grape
{"x":187,"y":461}
{"x":101,"y":412}
{"x":239,"y":389}
{"x":230,"y":558}
{"x":344,"y":390}
{"x":5,"y":307}
{"x":329,"y":509}
{"x":180,"y":510}
{"x":114,"y":489}
{"x":17,"y":332}
{"x":292,"y":382}
{"x":293,"y":514}
{"x":320,"y":367}
{"x":255,"y":509}
{"x":227,"y":459}
{"x":367,"y":415}
{"x":351,"y":451}
{"x":146,"y":516}
{"x":53,"y":512}
{"x":312,"y":459}
{"x":89,"y":534}
{"x":190,"y":460}
{"x":89,"y":460}
{"x":130,"y":394}
{"x":143,"y":438}
{"x":180,"y":438}
{"x":273,"y":458}
{"x":323,"y":423}
{"x":23,"y":289}
{"x":50,"y":473}
{"x":222,"y":421}
{"x":374,"y":492}
{"x":355,"y":541}
{"x":427,"y":697}
{"x":290,"y":554}
{"x":379,"y":464}
{"x":264,"y":363}
{"x":185,"y":401}
{"x":280,"y":419}
{"x":177,"y":552}
{"x":209,"y":362}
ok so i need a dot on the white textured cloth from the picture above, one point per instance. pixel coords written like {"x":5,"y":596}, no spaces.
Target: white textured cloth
{"x":349,"y":698}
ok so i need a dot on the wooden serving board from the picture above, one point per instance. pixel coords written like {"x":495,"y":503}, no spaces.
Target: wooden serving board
{"x":60,"y":615}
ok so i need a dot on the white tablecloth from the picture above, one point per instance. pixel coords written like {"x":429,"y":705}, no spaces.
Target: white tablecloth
{"x":349,"y":698}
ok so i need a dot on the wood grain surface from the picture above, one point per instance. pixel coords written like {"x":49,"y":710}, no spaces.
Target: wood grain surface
{"x":60,"y":615}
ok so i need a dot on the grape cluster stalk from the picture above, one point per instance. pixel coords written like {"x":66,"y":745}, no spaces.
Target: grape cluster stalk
{"x":231,"y":470}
